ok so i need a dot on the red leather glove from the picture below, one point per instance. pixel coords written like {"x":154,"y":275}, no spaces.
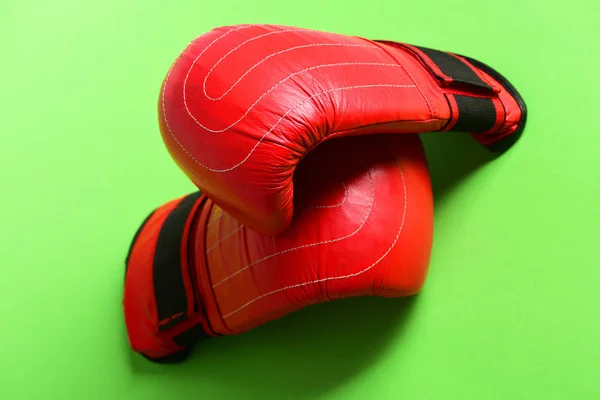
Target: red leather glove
{"x":242,"y":105}
{"x":363,"y":226}
{"x":313,"y":189}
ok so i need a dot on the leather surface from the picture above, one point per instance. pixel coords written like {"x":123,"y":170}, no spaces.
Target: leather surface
{"x":242,"y":105}
{"x":363,"y":226}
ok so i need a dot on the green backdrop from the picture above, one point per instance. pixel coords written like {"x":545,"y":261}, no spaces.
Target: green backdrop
{"x":511,"y":305}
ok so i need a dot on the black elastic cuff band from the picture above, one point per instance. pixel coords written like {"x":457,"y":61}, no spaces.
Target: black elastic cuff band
{"x":135,"y":238}
{"x":505,"y":143}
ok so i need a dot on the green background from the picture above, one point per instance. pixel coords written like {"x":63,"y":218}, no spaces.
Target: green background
{"x":511,"y":305}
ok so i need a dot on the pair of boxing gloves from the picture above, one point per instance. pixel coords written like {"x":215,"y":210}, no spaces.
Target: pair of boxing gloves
{"x":313,"y":183}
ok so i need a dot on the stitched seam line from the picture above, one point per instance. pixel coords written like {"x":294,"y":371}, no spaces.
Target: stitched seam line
{"x":258,"y":142}
{"x":432,"y":110}
{"x":288,"y":77}
{"x":304,"y":246}
{"x":342,"y":276}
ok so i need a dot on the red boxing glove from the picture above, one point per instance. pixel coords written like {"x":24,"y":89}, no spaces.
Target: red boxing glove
{"x":363,"y":226}
{"x":243,"y":105}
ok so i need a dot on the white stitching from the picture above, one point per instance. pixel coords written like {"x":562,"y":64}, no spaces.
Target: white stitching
{"x":258,"y":142}
{"x":304,"y":246}
{"x":432,"y":112}
{"x":231,"y":51}
{"x":162,"y":97}
{"x":342,"y":276}
{"x":334,"y":205}
{"x":281,"y":52}
{"x":167,"y":121}
{"x":223,"y":238}
{"x":279,"y":83}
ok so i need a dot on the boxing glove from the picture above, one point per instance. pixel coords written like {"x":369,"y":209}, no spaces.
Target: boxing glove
{"x":363,"y":226}
{"x":242,"y":105}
